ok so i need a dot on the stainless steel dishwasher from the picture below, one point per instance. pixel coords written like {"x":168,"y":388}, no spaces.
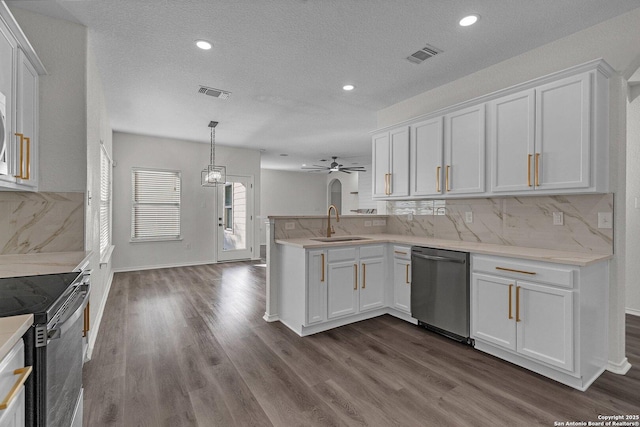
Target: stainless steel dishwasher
{"x":440,"y":291}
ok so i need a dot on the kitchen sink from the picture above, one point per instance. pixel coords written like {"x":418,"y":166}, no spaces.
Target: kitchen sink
{"x":339,"y":239}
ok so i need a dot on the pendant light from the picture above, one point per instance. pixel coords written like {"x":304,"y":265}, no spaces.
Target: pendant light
{"x":213,"y":175}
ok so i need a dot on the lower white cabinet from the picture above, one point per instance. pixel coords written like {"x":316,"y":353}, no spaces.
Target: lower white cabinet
{"x":402,"y":278}
{"x":13,"y":374}
{"x":316,"y":300}
{"x":549,"y":318}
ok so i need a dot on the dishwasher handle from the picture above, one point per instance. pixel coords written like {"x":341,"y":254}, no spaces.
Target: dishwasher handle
{"x":438,"y":258}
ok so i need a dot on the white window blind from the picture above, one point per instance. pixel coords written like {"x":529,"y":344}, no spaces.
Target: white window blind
{"x":105,"y":202}
{"x":155,"y":212}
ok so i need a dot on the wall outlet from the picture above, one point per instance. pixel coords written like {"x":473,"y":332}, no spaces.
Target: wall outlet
{"x":367,"y":223}
{"x":605,"y":220}
{"x":289,"y":225}
{"x":410,"y":216}
{"x":188,"y":246}
{"x":379,"y":222}
{"x":558,"y":218}
{"x":468,"y":217}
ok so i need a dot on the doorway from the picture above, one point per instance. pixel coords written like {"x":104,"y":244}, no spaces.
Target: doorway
{"x":235,"y":219}
{"x":335,"y":195}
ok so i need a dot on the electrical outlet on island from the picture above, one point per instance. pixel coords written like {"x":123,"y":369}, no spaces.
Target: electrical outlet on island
{"x":558,"y":218}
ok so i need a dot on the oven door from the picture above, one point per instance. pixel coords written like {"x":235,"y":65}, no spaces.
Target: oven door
{"x":64,"y":363}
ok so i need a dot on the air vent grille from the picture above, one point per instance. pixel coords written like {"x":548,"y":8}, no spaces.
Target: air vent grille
{"x":216,"y":93}
{"x":423,"y":54}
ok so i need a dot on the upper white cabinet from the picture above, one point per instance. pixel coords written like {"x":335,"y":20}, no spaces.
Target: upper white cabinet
{"x":464,"y":151}
{"x":20,"y":69}
{"x":427,"y":139}
{"x":391,"y":163}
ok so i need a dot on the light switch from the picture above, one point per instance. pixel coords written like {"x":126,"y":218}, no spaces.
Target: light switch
{"x":605,"y":220}
{"x":558,"y":218}
{"x":289,"y":225}
{"x":410,"y":216}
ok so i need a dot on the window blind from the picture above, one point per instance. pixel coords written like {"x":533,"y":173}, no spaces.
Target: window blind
{"x":155,"y":213}
{"x":105,"y":202}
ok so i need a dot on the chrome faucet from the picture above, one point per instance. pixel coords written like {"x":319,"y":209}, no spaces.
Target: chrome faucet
{"x":330,"y":229}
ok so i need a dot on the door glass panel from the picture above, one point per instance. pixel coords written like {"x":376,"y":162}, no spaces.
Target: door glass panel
{"x":235,"y":216}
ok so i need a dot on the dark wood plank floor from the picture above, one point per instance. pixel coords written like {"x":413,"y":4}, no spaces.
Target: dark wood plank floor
{"x":188,"y":347}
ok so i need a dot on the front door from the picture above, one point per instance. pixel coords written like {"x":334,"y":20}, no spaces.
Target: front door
{"x":235,"y":219}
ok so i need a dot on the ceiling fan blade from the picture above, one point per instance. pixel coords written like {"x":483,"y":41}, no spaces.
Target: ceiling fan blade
{"x":345,"y":171}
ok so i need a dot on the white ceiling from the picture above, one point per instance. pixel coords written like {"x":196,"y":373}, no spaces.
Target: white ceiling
{"x":285,"y":62}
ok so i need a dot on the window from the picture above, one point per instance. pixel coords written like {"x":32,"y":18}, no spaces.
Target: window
{"x":228,"y":207}
{"x":105,"y":203}
{"x":155,"y":209}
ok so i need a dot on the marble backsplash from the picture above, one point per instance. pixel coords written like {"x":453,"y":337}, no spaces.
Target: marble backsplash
{"x":41,"y":222}
{"x":316,"y":226}
{"x":514,"y":221}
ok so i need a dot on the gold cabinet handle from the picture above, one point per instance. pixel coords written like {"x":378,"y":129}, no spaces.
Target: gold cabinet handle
{"x":529,"y":169}
{"x":364,"y":275}
{"x":518,"y":303}
{"x":446,"y":179}
{"x":399,"y":252}
{"x":21,"y":156}
{"x":406,"y":274}
{"x":85,"y":328}
{"x":438,"y":178}
{"x":355,"y":278}
{"x":390,"y":184}
{"x":510,"y":314}
{"x":24,"y":374}
{"x":537,"y":169}
{"x":515,"y":271}
{"x":322,"y":274}
{"x":28,"y":165}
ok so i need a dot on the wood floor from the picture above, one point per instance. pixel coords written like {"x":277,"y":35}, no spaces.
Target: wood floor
{"x":188,"y":347}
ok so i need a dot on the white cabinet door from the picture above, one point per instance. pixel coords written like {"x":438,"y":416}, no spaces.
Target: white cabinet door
{"x":316,"y":287}
{"x":493,"y":310}
{"x":465,"y":151}
{"x":381,"y":164}
{"x":342,"y":288}
{"x":402,"y":285}
{"x":8,"y":49}
{"x":563,"y":126}
{"x":26,"y":121}
{"x":545,"y":326}
{"x":371,"y":283}
{"x":399,"y":174}
{"x":426,"y":158}
{"x":512,"y":142}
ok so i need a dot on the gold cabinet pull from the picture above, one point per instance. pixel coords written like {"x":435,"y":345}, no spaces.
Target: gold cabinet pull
{"x":399,"y":252}
{"x":390,"y":185}
{"x":28,"y":165}
{"x":537,"y":169}
{"x":355,"y":278}
{"x":446,"y":179}
{"x":21,"y":156}
{"x":518,"y":303}
{"x":85,"y":328}
{"x":529,"y":169}
{"x":364,"y":275}
{"x":510,"y":314}
{"x":24,"y":374}
{"x":406,"y":274}
{"x":515,"y":271}
{"x":322,"y":274}
{"x":438,"y":178}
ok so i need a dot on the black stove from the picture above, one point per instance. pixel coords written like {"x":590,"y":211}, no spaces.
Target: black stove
{"x":40,"y":295}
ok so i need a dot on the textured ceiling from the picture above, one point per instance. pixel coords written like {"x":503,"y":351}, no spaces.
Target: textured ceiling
{"x":285,"y":62}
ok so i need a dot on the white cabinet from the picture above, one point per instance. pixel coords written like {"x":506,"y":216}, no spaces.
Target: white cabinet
{"x":402,"y":278}
{"x":8,"y":57}
{"x":355,"y":280}
{"x":541,"y":316}
{"x":464,"y":151}
{"x":391,"y":163}
{"x":13,"y":375}
{"x":26,"y":122}
{"x":426,"y":153}
{"x":316,"y":301}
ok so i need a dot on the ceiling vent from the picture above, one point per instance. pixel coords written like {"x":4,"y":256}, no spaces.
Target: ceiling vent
{"x":216,"y":93}
{"x":425,"y":53}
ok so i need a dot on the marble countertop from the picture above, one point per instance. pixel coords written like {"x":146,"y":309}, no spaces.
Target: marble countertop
{"x":536,"y":254}
{"x":11,"y":330}
{"x":40,"y":263}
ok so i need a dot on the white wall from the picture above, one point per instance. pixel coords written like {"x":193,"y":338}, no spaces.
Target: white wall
{"x":618,"y":42}
{"x":633,"y":213}
{"x":61,"y":45}
{"x":198,"y":224}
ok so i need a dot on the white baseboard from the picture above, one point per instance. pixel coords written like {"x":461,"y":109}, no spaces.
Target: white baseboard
{"x":632,"y":312}
{"x":620,"y":368}
{"x":158,"y":266}
{"x":271,"y":317}
{"x":93,"y":335}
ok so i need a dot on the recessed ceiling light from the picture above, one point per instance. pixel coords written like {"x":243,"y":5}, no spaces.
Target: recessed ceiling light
{"x":304,"y":164}
{"x":203,"y":44}
{"x":469,"y":20}
{"x":284,"y":155}
{"x":348,"y":87}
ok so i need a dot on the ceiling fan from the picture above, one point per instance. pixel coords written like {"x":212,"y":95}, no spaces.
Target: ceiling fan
{"x":335,"y":167}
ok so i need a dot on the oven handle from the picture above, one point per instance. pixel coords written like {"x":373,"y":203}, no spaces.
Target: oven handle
{"x":61,"y":328}
{"x":438,"y":258}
